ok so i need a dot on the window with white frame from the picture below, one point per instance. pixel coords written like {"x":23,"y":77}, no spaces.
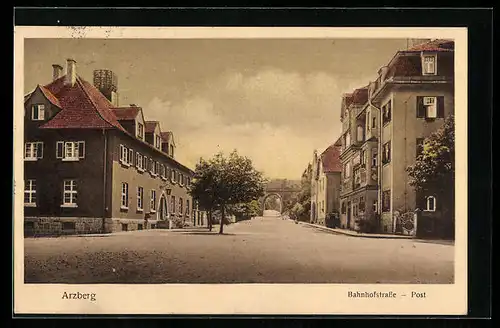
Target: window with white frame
{"x":70,"y":150}
{"x":181,"y":204}
{"x":140,"y":199}
{"x":153,"y":167}
{"x":187,"y":207}
{"x":152,"y":205}
{"x":69,"y":193}
{"x":140,"y":130}
{"x":181,"y":179}
{"x":139,"y":161}
{"x":157,"y":141}
{"x":162,"y":171}
{"x":157,"y":168}
{"x":130,"y":157}
{"x":172,"y":176}
{"x":124,"y":196}
{"x":430,"y":107}
{"x":145,"y":162}
{"x":430,"y":203}
{"x":38,"y":112}
{"x":30,"y":192}
{"x":429,"y":63}
{"x":33,"y":150}
{"x":374,"y":157}
{"x":124,"y":154}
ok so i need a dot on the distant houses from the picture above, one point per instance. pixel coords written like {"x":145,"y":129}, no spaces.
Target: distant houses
{"x":384,"y":124}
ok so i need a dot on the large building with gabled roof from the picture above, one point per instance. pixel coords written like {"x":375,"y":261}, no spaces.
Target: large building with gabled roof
{"x":384,"y":126}
{"x":92,"y":166}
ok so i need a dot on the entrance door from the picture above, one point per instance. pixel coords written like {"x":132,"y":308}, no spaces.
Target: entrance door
{"x":163,"y":208}
{"x":348,"y":215}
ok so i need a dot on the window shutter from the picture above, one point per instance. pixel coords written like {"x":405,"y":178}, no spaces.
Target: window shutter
{"x":59,"y":149}
{"x":81,"y":149}
{"x":39,"y":150}
{"x":420,"y":107}
{"x":41,"y":112}
{"x":440,"y":107}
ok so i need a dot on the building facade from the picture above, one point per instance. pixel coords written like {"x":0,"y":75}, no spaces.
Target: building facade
{"x":384,"y":125}
{"x":325,"y":183}
{"x":91,"y":166}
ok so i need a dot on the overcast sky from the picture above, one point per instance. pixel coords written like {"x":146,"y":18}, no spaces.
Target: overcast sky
{"x":273,"y":100}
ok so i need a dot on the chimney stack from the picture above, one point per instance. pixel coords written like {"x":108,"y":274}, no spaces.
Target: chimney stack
{"x":56,"y":71}
{"x":70,"y":71}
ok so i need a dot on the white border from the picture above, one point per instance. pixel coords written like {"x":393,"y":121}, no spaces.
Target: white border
{"x":244,"y":298}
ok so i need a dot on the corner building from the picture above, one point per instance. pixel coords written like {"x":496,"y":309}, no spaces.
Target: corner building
{"x":383,"y":128}
{"x":92,"y":166}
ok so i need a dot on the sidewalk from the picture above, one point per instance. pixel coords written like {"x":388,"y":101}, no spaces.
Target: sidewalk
{"x":357,"y":234}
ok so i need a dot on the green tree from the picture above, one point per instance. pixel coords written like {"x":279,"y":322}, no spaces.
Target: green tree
{"x":434,"y":169}
{"x":223,"y":182}
{"x":245,"y":211}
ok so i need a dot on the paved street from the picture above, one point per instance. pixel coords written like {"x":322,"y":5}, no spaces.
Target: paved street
{"x":262,"y":250}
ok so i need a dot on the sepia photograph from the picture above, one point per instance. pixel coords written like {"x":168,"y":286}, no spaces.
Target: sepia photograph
{"x":229,"y":161}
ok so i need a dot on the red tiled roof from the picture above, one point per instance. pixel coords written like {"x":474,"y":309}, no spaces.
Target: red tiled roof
{"x":126,"y":113}
{"x":348,"y":99}
{"x":330,"y":159}
{"x":83,"y":106}
{"x":150,"y":126}
{"x":435,"y":45}
{"x":166,"y":135}
{"x":50,"y":97}
{"x":360,"y":96}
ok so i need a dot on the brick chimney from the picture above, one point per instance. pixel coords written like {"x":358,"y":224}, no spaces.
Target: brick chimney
{"x":56,"y":71}
{"x":70,"y":71}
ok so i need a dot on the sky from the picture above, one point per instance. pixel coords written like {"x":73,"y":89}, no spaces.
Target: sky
{"x":274,"y":100}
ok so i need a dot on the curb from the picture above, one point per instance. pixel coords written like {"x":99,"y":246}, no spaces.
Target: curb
{"x":355,"y":234}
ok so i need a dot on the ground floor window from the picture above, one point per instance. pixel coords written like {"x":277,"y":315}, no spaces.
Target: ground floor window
{"x":153,"y":201}
{"x":30,"y":192}
{"x":69,"y":193}
{"x":124,"y":195}
{"x":140,"y":197}
{"x":430,"y":203}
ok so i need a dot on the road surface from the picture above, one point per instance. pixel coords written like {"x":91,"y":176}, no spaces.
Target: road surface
{"x":261,"y":250}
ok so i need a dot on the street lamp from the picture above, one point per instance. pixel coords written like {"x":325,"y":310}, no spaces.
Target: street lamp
{"x":168,"y":191}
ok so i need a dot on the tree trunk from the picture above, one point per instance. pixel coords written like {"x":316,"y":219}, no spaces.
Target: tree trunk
{"x":223,"y":215}
{"x":210,"y":220}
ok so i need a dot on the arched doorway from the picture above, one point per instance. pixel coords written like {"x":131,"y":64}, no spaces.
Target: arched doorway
{"x":278,"y":197}
{"x":162,"y":214}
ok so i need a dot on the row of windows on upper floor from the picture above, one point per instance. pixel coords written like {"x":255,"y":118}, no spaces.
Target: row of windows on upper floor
{"x":386,"y":157}
{"x":38,"y":114}
{"x":428,"y":108}
{"x":75,"y":151}
{"x":143,"y":163}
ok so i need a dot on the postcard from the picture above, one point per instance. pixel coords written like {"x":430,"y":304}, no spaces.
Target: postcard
{"x":240,"y":170}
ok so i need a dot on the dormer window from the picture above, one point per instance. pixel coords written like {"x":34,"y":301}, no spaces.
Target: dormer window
{"x":140,"y":131}
{"x":171,"y":150}
{"x":429,"y":64}
{"x":38,"y":112}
